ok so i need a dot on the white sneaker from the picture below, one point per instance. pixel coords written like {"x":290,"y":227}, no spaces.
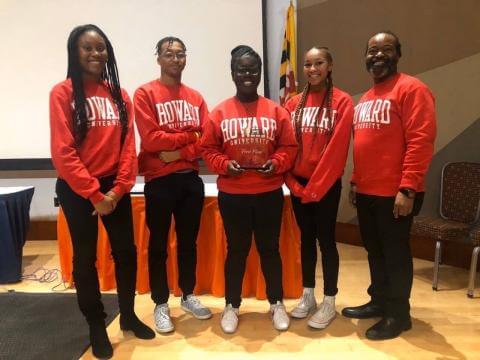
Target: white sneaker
{"x":307,"y":304}
{"x":193,"y":306}
{"x":229,"y":321}
{"x":324,"y":316}
{"x":161,"y":317}
{"x":280,"y":318}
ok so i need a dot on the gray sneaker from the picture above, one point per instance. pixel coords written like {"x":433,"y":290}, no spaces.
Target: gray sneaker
{"x":280,"y":318}
{"x":161,"y":317}
{"x":323,"y":317}
{"x":307,"y":304}
{"x":229,"y":321}
{"x":192,"y":305}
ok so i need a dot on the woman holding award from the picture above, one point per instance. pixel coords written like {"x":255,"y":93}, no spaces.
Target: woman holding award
{"x":322,"y":117}
{"x":250,"y":143}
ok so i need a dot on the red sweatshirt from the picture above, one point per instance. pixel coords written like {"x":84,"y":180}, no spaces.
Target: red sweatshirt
{"x":167,"y":118}
{"x":323,"y":155}
{"x":101,"y":154}
{"x":235,"y":128}
{"x":394,"y":133}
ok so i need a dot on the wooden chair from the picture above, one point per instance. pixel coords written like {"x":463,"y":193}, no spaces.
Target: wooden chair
{"x":459,"y":212}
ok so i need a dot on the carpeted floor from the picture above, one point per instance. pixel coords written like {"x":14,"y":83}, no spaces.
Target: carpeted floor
{"x":45,"y":326}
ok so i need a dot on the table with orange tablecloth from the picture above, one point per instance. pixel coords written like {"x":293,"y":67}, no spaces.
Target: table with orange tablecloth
{"x":211,"y":254}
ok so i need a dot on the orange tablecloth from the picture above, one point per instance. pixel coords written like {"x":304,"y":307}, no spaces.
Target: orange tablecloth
{"x":211,"y":245}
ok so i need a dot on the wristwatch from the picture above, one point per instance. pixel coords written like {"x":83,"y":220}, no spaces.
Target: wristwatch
{"x":409,"y":193}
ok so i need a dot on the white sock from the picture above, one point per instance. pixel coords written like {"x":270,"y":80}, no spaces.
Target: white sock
{"x":329,"y":300}
{"x":308,"y":291}
{"x":234,"y":308}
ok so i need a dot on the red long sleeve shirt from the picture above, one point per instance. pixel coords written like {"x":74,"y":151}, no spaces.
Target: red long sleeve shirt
{"x":233,"y":128}
{"x":394,"y":133}
{"x":101,"y":153}
{"x":167,"y":118}
{"x":324,"y":153}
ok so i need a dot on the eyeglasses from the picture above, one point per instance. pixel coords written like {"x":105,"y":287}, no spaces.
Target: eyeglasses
{"x":169,"y":55}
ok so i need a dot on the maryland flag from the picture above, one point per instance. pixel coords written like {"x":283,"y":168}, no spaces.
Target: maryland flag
{"x":288,"y":67}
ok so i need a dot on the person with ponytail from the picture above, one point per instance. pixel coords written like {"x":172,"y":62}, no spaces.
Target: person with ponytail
{"x":93,"y":151}
{"x":322,"y":117}
{"x":250,"y":143}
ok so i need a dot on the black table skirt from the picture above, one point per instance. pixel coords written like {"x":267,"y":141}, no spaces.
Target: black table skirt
{"x":14,"y":222}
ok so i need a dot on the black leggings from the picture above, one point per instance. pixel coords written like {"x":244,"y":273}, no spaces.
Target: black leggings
{"x":244,"y":214}
{"x":317,"y":221}
{"x":84,"y":232}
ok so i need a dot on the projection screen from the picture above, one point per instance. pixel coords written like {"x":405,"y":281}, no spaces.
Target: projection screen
{"x":34,"y":55}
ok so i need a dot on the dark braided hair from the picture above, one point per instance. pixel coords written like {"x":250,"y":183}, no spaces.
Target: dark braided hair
{"x":241,"y":50}
{"x":326,"y":102}
{"x":109,"y":75}
{"x":170,"y":40}
{"x":398,"y":46}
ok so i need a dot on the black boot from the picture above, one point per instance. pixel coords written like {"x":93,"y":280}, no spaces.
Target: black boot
{"x":101,"y":346}
{"x":366,"y":311}
{"x":125,"y":272}
{"x":388,"y":328}
{"x":133,"y":323}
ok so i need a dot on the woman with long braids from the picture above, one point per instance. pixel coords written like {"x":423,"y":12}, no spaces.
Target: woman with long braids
{"x":250,"y":143}
{"x":322,"y":118}
{"x":93,"y":150}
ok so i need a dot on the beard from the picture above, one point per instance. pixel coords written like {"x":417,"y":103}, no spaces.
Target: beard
{"x":388,"y":66}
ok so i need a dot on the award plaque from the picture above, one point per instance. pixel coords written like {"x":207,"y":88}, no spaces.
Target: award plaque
{"x":252,"y":156}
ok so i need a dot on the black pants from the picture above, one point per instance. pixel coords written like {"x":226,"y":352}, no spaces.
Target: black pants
{"x":260,"y":214}
{"x":182,"y":195}
{"x":317,"y":221}
{"x":84,"y":231}
{"x":386,"y":240}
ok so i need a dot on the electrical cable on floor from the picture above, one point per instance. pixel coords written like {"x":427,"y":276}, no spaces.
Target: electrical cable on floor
{"x":43,"y":275}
